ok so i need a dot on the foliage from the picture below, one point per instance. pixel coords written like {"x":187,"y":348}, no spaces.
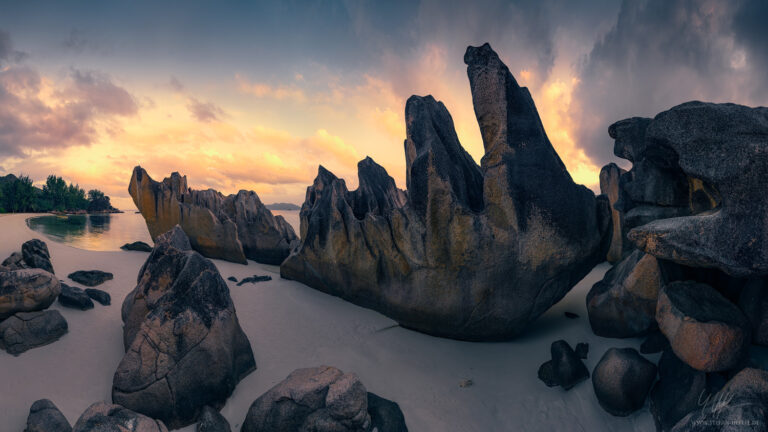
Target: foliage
{"x":97,"y":201}
{"x":18,"y":194}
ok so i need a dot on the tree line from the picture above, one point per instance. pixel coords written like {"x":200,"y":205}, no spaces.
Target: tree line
{"x":20,"y":195}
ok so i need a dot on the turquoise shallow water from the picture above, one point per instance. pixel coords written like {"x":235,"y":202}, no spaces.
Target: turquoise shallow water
{"x":107,"y":232}
{"x":93,"y":232}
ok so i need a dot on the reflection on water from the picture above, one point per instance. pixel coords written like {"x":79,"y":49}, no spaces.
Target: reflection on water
{"x":102,"y":232}
{"x":291,"y":216}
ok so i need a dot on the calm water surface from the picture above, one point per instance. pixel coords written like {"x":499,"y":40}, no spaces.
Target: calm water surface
{"x":110,"y":231}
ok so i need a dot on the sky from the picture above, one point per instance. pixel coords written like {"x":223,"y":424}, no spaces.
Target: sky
{"x":255,"y":95}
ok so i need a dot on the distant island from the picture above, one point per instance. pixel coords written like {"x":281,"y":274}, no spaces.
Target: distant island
{"x":283,"y":206}
{"x":20,"y":195}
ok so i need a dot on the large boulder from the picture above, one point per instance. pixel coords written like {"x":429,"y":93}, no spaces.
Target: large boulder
{"x":468,"y":252}
{"x":104,"y":417}
{"x":725,"y":146}
{"x":44,"y":416}
{"x":741,"y":405}
{"x":27,"y":330}
{"x":27,"y":290}
{"x":232,"y":228}
{"x":36,"y":255}
{"x":622,"y":379}
{"x":179,"y":321}
{"x":321,"y":399}
{"x":704,"y":329}
{"x":623,"y":304}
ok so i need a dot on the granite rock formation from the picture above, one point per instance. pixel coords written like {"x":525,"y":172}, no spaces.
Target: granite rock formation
{"x":609,"y":186}
{"x":27,"y":330}
{"x":233,"y":228}
{"x":622,"y":380}
{"x":179,"y":321}
{"x":104,"y":417}
{"x":44,"y":416}
{"x":27,"y":290}
{"x":467,"y":252}
{"x":321,"y":399}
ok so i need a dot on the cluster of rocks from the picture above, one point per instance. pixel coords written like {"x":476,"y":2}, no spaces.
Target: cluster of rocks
{"x":44,"y":416}
{"x":234,"y":228}
{"x":27,"y":288}
{"x":690,"y":247}
{"x":469,"y":252}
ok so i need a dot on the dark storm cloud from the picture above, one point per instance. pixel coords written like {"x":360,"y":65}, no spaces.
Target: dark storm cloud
{"x":204,"y":111}
{"x":661,"y":53}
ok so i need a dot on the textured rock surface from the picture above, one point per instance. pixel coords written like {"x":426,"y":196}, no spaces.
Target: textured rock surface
{"x":36,"y":255}
{"x":232,"y":228}
{"x":623,"y":304}
{"x":622,"y":379}
{"x":468,"y":252}
{"x":14,"y":262}
{"x":27,"y":290}
{"x":609,"y":186}
{"x":704,"y":329}
{"x":100,"y":296}
{"x":74,"y":297}
{"x":90,"y":278}
{"x":740,"y":406}
{"x":27,"y":330}
{"x":211,"y":421}
{"x":321,"y":399}
{"x":565,"y":369}
{"x":679,"y":390}
{"x":179,"y":320}
{"x":723,"y":145}
{"x":44,"y":416}
{"x":139,"y":246}
{"x":104,"y":417}
{"x":386,"y":415}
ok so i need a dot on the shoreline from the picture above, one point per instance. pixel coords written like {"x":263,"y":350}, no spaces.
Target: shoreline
{"x":292,"y":326}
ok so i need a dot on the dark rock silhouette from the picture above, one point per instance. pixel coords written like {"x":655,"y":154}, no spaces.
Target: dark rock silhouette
{"x":566,"y":368}
{"x":679,"y":390}
{"x":232,"y":228}
{"x":212,"y":421}
{"x":90,"y":278}
{"x":36,"y":255}
{"x":139,"y":246}
{"x":467,"y":252}
{"x":622,"y":379}
{"x":100,"y":296}
{"x":75,"y":298}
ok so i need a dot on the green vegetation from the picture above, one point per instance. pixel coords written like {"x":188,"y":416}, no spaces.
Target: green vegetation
{"x":18,"y":194}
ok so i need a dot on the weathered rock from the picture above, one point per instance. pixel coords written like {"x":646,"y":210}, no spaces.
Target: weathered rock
{"x":623,"y":304}
{"x":254,"y":279}
{"x":138,"y":246}
{"x":44,"y":416}
{"x":104,"y":417}
{"x":27,"y":290}
{"x":622,"y":379}
{"x":723,"y":145}
{"x":582,"y":350}
{"x":609,"y":186}
{"x":679,"y":390}
{"x":74,"y":297}
{"x":321,"y":399}
{"x":26,"y":330}
{"x":15,"y":262}
{"x":100,"y":296}
{"x":90,"y":278}
{"x":656,"y":342}
{"x":468,"y":252}
{"x":753,"y":300}
{"x":179,"y":320}
{"x":741,"y":405}
{"x":565,"y":369}
{"x":386,"y":415}
{"x":704,"y":329}
{"x":36,"y":255}
{"x":232,"y":228}
{"x":212,"y":421}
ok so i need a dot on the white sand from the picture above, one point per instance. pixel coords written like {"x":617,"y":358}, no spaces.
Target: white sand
{"x":292,"y":326}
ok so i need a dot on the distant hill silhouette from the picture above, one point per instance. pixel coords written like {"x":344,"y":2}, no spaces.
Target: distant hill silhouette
{"x":283,"y":206}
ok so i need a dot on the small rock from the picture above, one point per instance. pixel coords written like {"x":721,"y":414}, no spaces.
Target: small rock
{"x":232,"y":279}
{"x":466,"y":383}
{"x":565,"y":369}
{"x":622,"y":379}
{"x":570,"y":315}
{"x":656,"y":342}
{"x":90,"y":278}
{"x":100,"y":296}
{"x":44,"y":416}
{"x":704,"y":329}
{"x":104,"y":417}
{"x":211,"y":420}
{"x":254,"y":279}
{"x":74,"y":297}
{"x":27,"y":290}
{"x":582,"y":349}
{"x":386,"y":415}
{"x":139,"y":246}
{"x":36,"y":255}
{"x":27,"y":330}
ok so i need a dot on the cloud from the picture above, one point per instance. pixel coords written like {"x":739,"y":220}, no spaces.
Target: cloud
{"x":101,"y":94}
{"x":7,"y":53}
{"x":266,"y":91}
{"x":661,"y":53}
{"x":175,"y":85}
{"x":204,"y":111}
